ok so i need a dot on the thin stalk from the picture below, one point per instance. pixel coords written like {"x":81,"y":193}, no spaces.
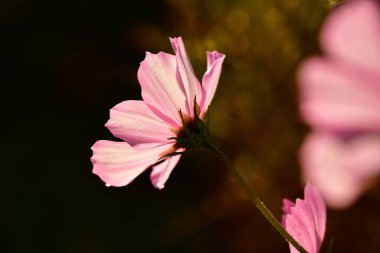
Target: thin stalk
{"x":254,"y":198}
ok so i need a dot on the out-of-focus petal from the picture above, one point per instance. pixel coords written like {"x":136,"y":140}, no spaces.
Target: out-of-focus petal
{"x":340,"y":169}
{"x":162,"y":171}
{"x":185,"y":75}
{"x":133,"y":122}
{"x":210,"y":79}
{"x":304,"y":218}
{"x":352,"y":34}
{"x":118,"y":164}
{"x":336,"y":98}
{"x":340,"y":99}
{"x":160,"y":88}
{"x":363,"y":151}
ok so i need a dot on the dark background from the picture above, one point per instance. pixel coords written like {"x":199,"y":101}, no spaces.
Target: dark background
{"x":64,"y":64}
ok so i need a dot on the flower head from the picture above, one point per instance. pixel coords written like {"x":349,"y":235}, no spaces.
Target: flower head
{"x":305,"y":220}
{"x":340,"y":99}
{"x":151,"y":129}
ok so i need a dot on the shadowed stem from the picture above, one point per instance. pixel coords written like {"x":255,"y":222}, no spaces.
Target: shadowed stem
{"x":254,"y":198}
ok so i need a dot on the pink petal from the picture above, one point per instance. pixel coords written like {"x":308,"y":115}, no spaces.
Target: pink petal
{"x":133,"y":122}
{"x":300,"y":225}
{"x":162,"y":171}
{"x":304,"y":218}
{"x":341,"y":170}
{"x":334,"y":97}
{"x":352,"y":34}
{"x":286,"y":207}
{"x":363,"y":152}
{"x":118,"y":164}
{"x":161,"y":90}
{"x":210,"y":79}
{"x":318,"y":207}
{"x":189,"y":81}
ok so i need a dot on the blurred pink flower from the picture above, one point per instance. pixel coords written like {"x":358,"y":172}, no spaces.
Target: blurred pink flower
{"x":168,"y":85}
{"x":340,"y":99}
{"x":305,"y":220}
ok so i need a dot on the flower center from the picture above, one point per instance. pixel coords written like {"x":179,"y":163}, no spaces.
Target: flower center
{"x":191,"y":126}
{"x":193,"y":134}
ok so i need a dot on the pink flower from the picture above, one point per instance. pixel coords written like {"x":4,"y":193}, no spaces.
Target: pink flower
{"x":305,"y":220}
{"x":340,"y":99}
{"x":169,"y":86}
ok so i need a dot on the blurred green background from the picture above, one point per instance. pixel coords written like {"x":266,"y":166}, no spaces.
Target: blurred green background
{"x":64,"y":64}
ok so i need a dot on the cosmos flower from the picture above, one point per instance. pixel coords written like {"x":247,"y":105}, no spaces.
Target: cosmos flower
{"x":150,"y":128}
{"x":340,"y":100}
{"x":305,"y":220}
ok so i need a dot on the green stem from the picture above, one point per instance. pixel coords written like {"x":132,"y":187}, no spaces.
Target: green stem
{"x":254,"y":198}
